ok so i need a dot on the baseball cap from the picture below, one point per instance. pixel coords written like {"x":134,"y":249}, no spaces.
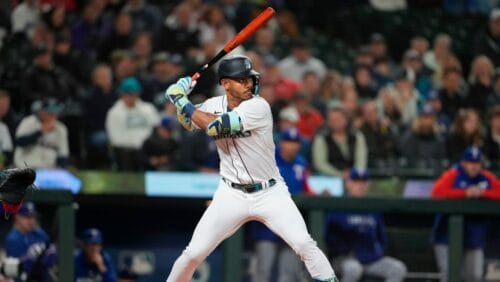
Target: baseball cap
{"x":411,"y":54}
{"x":28,"y":209}
{"x":166,"y":122}
{"x":92,"y":236}
{"x":130,"y":85}
{"x":472,"y":154}
{"x":291,"y":134}
{"x":358,"y":174}
{"x":289,"y":113}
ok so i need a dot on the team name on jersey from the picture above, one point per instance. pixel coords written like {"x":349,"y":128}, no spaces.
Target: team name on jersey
{"x":242,"y":134}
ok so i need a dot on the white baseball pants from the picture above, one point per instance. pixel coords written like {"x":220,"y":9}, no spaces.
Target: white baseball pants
{"x":230,"y":209}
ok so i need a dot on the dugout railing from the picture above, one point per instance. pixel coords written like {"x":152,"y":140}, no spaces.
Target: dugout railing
{"x":316,"y":207}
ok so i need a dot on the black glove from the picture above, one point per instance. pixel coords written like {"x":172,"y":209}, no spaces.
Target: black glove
{"x":13,"y":186}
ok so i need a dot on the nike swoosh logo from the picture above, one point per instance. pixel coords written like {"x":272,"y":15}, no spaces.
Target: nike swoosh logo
{"x":217,"y":112}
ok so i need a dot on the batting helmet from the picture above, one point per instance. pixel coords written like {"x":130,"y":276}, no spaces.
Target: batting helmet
{"x":239,"y":66}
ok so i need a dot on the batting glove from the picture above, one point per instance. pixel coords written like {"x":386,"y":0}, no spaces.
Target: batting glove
{"x":177,"y":94}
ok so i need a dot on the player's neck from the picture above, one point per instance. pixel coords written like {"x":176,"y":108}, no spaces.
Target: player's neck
{"x":232,"y":102}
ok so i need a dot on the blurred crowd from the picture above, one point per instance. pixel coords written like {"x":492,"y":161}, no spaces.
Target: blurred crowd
{"x":82,"y":85}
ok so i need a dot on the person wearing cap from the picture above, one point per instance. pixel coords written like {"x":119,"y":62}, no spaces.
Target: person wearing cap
{"x":25,"y":231}
{"x":92,"y":262}
{"x":357,"y":240}
{"x":128,"y":123}
{"x":339,"y":147}
{"x":422,"y":143}
{"x":465,"y":180}
{"x":301,"y":60}
{"x":405,"y":95}
{"x":423,"y":75}
{"x":44,"y":79}
{"x":41,"y":139}
{"x":444,"y":122}
{"x":160,"y":148}
{"x":269,"y":247}
{"x":487,"y":42}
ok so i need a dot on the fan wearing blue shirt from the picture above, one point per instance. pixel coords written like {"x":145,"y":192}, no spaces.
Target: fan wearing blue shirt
{"x":25,"y":231}
{"x":92,"y":263}
{"x":269,"y":247}
{"x":357,"y":240}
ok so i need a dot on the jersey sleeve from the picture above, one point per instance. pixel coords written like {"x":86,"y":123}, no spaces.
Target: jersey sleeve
{"x":443,"y":188}
{"x":254,"y":113}
{"x":494,"y":192}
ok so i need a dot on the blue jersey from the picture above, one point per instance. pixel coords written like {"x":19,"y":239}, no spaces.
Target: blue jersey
{"x":85,"y":271}
{"x":295,"y":176}
{"x":475,"y":227}
{"x":360,"y":234}
{"x":17,"y":244}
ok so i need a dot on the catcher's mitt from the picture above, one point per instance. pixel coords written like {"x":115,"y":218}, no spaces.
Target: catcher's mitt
{"x":13,"y":186}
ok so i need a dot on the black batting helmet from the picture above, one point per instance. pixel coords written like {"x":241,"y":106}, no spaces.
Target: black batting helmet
{"x":239,"y":66}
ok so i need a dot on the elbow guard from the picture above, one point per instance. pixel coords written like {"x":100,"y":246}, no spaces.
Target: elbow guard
{"x":228,"y":123}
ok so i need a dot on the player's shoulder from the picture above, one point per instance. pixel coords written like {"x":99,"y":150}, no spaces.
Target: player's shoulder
{"x":256,"y":101}
{"x":212,"y":104}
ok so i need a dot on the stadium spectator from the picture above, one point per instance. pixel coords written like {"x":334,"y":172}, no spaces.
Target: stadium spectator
{"x":101,"y":97}
{"x":492,"y":140}
{"x":90,"y":30}
{"x":145,"y":17}
{"x":488,"y":42}
{"x":434,"y":59}
{"x":124,"y":65}
{"x":443,"y":120}
{"x":338,"y":148}
{"x":44,"y":79}
{"x":198,"y":152}
{"x":55,"y":19}
{"x":331,"y":86}
{"x":451,"y":94}
{"x":264,"y":43}
{"x":128,"y":123}
{"x":92,"y":262}
{"x":41,"y":139}
{"x":357,"y":240}
{"x":311,"y":85}
{"x":423,"y":76}
{"x":380,"y":139}
{"x":378,"y":46}
{"x":284,"y":88}
{"x":269,"y":247}
{"x":179,"y":33}
{"x":142,"y":48}
{"x":365,"y":84}
{"x":7,"y":114}
{"x":419,"y":44}
{"x":310,"y":119}
{"x":481,"y":94}
{"x":120,"y":38}
{"x":165,"y":69}
{"x":211,"y":20}
{"x":159,"y":149}
{"x":25,"y":16}
{"x":422,"y":144}
{"x":300,"y":61}
{"x":406,"y":97}
{"x":25,"y":231}
{"x":74,"y":62}
{"x":466,"y":131}
{"x":465,"y":180}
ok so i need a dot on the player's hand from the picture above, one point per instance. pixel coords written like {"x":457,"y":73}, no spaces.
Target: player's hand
{"x":187,"y":84}
{"x":473,"y":192}
{"x":177,"y":92}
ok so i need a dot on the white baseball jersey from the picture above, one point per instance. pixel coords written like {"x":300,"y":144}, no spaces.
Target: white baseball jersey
{"x":246,"y":157}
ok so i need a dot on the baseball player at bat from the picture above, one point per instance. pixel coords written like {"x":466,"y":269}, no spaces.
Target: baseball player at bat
{"x":251,"y":187}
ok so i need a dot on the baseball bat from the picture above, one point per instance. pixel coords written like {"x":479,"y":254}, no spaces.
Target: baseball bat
{"x":239,"y":38}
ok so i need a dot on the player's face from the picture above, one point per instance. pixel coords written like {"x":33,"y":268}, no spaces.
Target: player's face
{"x":357,"y":188}
{"x":239,"y":88}
{"x":471,"y":168}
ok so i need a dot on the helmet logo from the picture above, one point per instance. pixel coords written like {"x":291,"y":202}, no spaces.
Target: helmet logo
{"x":248,"y":66}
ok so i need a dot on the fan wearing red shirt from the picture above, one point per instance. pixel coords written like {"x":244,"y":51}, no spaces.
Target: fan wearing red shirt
{"x":466,"y":180}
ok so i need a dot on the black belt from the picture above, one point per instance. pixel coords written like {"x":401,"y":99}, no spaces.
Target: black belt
{"x":251,"y":188}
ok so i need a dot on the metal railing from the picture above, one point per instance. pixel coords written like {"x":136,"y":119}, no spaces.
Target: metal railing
{"x":316,"y":207}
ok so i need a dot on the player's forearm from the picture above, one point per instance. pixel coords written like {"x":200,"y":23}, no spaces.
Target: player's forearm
{"x":202,"y":119}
